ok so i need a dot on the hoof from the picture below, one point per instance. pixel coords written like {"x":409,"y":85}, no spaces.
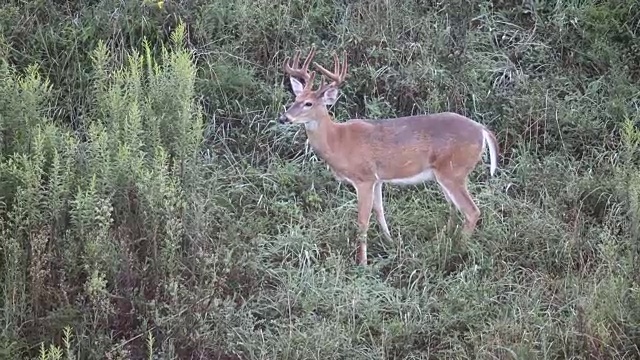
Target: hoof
{"x":361,"y":254}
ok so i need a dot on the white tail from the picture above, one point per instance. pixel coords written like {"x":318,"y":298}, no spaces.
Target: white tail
{"x":405,"y":151}
{"x":490,"y":139}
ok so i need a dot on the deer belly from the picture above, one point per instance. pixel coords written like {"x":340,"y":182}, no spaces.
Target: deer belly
{"x":425,"y":175}
{"x":338,"y":176}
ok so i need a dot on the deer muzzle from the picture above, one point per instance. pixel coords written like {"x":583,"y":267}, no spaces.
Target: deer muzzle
{"x":283,"y":119}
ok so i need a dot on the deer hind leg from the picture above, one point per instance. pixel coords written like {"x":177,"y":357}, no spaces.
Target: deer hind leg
{"x":378,"y":208}
{"x":452,"y":208}
{"x":365,"y":192}
{"x":456,"y":190}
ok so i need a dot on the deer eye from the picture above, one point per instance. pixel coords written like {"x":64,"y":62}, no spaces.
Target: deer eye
{"x":308,"y":104}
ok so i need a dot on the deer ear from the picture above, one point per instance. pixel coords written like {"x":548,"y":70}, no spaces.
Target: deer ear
{"x":296,"y":86}
{"x":330,"y":96}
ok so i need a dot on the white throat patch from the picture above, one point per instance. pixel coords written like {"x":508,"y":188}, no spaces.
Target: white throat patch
{"x":311,"y":125}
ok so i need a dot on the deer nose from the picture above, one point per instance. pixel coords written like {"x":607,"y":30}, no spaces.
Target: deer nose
{"x":283,"y":119}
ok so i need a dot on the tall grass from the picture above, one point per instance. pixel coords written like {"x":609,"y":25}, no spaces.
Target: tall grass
{"x":151,"y":208}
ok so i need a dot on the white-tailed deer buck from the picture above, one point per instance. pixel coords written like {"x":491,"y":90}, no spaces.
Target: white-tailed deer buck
{"x":406,"y":150}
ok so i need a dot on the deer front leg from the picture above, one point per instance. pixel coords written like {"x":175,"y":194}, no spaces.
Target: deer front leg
{"x":365,"y":204}
{"x":378,"y":208}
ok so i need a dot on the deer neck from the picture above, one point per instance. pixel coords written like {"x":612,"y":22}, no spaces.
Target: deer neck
{"x":319,"y":132}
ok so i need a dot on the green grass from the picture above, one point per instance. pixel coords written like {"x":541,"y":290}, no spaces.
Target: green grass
{"x":151,"y":207}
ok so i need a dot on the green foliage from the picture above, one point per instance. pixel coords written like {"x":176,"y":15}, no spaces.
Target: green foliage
{"x":150,"y":208}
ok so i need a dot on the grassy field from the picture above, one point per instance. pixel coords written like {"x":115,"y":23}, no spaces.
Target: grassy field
{"x":152,"y":208}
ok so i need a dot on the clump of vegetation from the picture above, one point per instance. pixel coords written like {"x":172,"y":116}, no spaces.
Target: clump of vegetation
{"x":150,"y":207}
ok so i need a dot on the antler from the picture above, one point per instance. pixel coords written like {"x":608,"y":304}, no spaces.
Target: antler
{"x":338,"y":75}
{"x":294,"y":69}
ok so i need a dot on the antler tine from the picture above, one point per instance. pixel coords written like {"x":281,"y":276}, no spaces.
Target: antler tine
{"x":324,"y":71}
{"x":310,"y":56}
{"x":339,"y":73}
{"x":294,"y":69}
{"x":291,"y":65}
{"x":296,"y":60}
{"x":345,"y":66}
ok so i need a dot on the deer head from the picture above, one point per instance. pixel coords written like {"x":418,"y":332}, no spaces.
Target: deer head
{"x":310,"y":105}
